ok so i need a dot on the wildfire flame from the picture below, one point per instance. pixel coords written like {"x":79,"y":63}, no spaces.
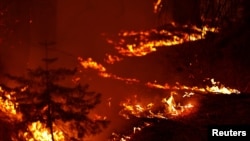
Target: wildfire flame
{"x":90,"y":64}
{"x":143,"y":42}
{"x":216,"y":87}
{"x":173,"y":108}
{"x":137,"y":109}
{"x":8,"y":105}
{"x":41,"y":133}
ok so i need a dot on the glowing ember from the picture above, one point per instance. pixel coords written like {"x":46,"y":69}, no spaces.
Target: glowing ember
{"x":76,"y":79}
{"x":157,"y":6}
{"x":119,"y":137}
{"x":112,"y":59}
{"x":41,"y":133}
{"x":99,"y":117}
{"x":118,"y":77}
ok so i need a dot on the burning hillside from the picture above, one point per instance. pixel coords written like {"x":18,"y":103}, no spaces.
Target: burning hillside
{"x":141,"y":43}
{"x":179,"y":103}
{"x":171,"y":82}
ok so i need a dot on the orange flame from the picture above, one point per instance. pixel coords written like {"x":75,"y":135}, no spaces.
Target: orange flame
{"x":133,"y":107}
{"x":144,"y":44}
{"x":216,"y":87}
{"x":90,"y":64}
{"x":41,"y":133}
{"x":173,"y":108}
{"x":111,"y":59}
{"x":156,"y":6}
{"x":8,"y":105}
{"x":119,"y":137}
{"x":139,"y":110}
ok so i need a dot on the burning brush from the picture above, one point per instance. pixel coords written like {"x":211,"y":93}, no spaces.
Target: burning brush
{"x":165,"y":109}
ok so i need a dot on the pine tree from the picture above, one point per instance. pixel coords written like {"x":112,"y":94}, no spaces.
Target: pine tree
{"x":46,"y":98}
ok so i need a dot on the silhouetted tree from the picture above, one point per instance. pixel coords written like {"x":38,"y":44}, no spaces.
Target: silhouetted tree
{"x":50,"y":97}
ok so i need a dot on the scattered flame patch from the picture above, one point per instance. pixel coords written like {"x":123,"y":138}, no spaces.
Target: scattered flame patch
{"x":162,"y":110}
{"x":90,"y":64}
{"x":111,"y":59}
{"x":167,"y":108}
{"x":120,"y":137}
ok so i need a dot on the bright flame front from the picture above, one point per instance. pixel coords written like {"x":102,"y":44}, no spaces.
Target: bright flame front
{"x":41,"y":133}
{"x":8,"y":105}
